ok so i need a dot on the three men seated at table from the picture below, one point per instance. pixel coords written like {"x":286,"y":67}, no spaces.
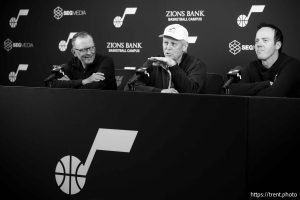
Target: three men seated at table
{"x":273,"y":73}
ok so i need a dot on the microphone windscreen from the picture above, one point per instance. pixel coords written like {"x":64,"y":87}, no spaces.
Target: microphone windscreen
{"x":235,"y":70}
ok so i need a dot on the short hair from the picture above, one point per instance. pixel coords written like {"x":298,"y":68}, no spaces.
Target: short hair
{"x":278,"y":36}
{"x":80,"y":34}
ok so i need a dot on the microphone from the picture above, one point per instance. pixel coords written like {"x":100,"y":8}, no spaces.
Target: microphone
{"x":233,"y":75}
{"x":141,"y":71}
{"x":56,"y":72}
{"x":138,"y":73}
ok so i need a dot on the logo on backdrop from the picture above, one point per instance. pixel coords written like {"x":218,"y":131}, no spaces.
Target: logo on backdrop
{"x":13,"y":75}
{"x":236,"y":47}
{"x":124,"y":47}
{"x":185,"y":15}
{"x":118,"y":21}
{"x":13,"y":22}
{"x":242,"y":20}
{"x":119,"y":80}
{"x":63,"y":45}
{"x":70,"y":172}
{"x":8,"y":44}
{"x":192,"y":39}
{"x":58,"y":13}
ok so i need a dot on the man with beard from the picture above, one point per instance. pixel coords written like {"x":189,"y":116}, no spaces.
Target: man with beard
{"x":274,"y":73}
{"x":176,"y":71}
{"x":86,"y":69}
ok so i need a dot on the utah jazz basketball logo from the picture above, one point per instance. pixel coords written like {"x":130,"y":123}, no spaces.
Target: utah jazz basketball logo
{"x":13,"y":75}
{"x":13,"y":22}
{"x":70,"y":172}
{"x":118,"y":20}
{"x":63,"y":45}
{"x":242,"y":20}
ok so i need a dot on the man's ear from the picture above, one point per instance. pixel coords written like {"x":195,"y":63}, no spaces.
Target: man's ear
{"x":278,"y":45}
{"x":73,"y":52}
{"x":185,"y":46}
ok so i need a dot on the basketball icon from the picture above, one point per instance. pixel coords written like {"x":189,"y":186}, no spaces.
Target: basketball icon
{"x":12,"y":77}
{"x":242,"y":20}
{"x":62,"y":45}
{"x":118,"y":21}
{"x":69,"y":175}
{"x":13,"y":22}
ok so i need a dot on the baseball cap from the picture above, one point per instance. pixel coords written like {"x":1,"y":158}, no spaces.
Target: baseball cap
{"x":176,"y":31}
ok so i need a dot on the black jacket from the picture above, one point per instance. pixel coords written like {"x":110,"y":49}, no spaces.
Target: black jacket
{"x":284,"y":73}
{"x":75,"y":71}
{"x":187,"y":77}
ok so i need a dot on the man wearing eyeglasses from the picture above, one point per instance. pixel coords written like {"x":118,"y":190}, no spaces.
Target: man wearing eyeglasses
{"x":86,"y":69}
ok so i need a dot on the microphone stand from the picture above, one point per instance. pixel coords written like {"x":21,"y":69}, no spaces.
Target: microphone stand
{"x":233,"y":75}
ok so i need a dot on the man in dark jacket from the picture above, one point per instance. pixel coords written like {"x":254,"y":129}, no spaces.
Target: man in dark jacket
{"x":273,"y":73}
{"x":86,"y":69}
{"x":176,"y":71}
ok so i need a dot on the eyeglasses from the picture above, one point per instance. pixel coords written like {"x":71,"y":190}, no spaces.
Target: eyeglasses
{"x":86,"y":50}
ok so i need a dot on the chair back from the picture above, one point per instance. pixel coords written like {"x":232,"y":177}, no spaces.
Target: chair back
{"x":214,"y":83}
{"x":122,"y":77}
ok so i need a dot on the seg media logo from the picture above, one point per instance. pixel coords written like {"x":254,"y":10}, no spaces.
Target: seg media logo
{"x":242,"y":20}
{"x":58,"y":13}
{"x":185,"y":15}
{"x":63,"y":45}
{"x":118,"y":20}
{"x":12,"y":77}
{"x":236,"y":47}
{"x":13,"y":22}
{"x":8,"y":44}
{"x":124,"y":47}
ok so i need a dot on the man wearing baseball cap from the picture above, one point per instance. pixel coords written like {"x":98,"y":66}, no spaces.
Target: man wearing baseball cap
{"x":176,"y":71}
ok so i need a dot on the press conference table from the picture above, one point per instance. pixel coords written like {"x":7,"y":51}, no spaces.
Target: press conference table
{"x":145,"y":146}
